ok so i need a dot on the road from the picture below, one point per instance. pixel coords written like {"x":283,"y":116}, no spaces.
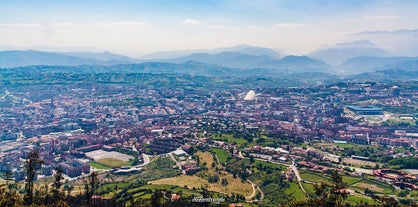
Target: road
{"x":252,"y":194}
{"x":299,"y":179}
{"x":240,"y":155}
{"x":255,"y":189}
{"x":217,"y":159}
{"x":174,"y":159}
{"x":146,"y":159}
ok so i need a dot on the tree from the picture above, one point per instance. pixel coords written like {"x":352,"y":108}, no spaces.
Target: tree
{"x":31,"y":165}
{"x":213,"y":179}
{"x":403,"y":193}
{"x":156,"y":198}
{"x":93,"y":181}
{"x":90,"y":186}
{"x":87,"y":193}
{"x":224,"y":182}
{"x":135,"y":161}
{"x":56,"y":185}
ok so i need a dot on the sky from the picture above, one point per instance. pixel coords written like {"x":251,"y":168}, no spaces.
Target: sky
{"x":138,"y":27}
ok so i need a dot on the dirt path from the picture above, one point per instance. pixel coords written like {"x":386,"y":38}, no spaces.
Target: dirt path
{"x":295,"y":170}
{"x":255,"y":189}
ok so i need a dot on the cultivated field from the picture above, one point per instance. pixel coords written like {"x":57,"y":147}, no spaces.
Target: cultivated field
{"x":370,"y":187}
{"x":356,"y":162}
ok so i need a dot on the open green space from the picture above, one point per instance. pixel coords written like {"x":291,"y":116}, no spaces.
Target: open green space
{"x":172,"y":188}
{"x":222,"y":155}
{"x":295,"y":191}
{"x":201,"y":179}
{"x":229,"y":138}
{"x":112,"y":162}
{"x":315,"y":177}
{"x":375,"y":186}
{"x":99,"y":165}
{"x":349,"y":180}
{"x":404,"y":163}
{"x":345,"y":145}
{"x":357,"y":200}
{"x":355,"y":183}
{"x":269,"y":164}
{"x":309,"y":188}
{"x":158,"y":168}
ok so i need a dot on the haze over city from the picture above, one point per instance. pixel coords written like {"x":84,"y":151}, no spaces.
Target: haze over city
{"x":135,"y":28}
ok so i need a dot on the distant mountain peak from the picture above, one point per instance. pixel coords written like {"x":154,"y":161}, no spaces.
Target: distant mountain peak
{"x":338,"y":53}
{"x":387,"y":32}
{"x":357,"y":43}
{"x":18,"y":58}
{"x":243,"y":49}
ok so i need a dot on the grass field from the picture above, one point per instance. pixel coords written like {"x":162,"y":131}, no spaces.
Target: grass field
{"x":375,"y":186}
{"x":99,"y":165}
{"x":346,"y":145}
{"x":359,"y":199}
{"x":273,"y":165}
{"x":183,"y":180}
{"x":173,"y":188}
{"x":112,"y":162}
{"x":351,"y":180}
{"x":230,"y":139}
{"x":309,"y":188}
{"x":295,"y":191}
{"x":159,"y":168}
{"x":141,"y":192}
{"x":353,"y":183}
{"x":222,"y":155}
{"x":315,"y":177}
{"x":355,"y":162}
{"x":371,"y":187}
{"x":234,"y":184}
{"x":206,"y":157}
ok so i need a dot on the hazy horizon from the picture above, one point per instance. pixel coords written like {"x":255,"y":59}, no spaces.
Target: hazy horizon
{"x":135,"y":28}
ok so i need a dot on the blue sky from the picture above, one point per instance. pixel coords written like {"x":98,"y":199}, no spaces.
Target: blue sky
{"x":139,"y":27}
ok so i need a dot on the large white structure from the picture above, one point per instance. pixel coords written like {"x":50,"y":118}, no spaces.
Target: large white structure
{"x":250,"y":96}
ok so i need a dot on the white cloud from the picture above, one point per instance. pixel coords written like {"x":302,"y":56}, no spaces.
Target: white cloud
{"x":288,"y":25}
{"x":122,"y":23}
{"x":135,"y":37}
{"x":20,"y":25}
{"x":381,"y":17}
{"x":190,"y":22}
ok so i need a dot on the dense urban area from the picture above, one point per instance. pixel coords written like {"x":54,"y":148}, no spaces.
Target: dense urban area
{"x":139,"y":139}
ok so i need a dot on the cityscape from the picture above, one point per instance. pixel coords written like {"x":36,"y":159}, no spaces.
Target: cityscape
{"x":365,"y":131}
{"x":216,"y":103}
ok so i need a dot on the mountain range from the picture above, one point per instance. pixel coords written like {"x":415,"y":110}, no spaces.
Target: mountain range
{"x":19,"y":58}
{"x":243,"y":49}
{"x":369,"y":64}
{"x":338,"y":53}
{"x":343,"y":58}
